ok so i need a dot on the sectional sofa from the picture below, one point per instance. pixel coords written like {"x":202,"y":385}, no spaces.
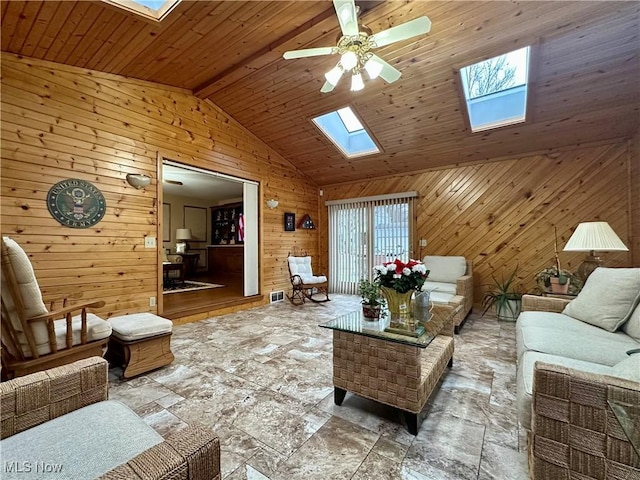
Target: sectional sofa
{"x":576,"y":358}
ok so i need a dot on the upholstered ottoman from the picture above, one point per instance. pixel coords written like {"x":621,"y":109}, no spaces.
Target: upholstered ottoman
{"x":140,"y":342}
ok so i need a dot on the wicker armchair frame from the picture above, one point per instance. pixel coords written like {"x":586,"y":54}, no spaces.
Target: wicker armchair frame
{"x":192,"y":453}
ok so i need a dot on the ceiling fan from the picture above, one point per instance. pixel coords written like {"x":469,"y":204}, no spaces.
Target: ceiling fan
{"x":355,"y":45}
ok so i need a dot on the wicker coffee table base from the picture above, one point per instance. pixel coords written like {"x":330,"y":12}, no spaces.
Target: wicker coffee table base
{"x":399,"y":375}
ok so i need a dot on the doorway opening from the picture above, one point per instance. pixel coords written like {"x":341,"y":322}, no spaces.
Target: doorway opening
{"x":209,"y":240}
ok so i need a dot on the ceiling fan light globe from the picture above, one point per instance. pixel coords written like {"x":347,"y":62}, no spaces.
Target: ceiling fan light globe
{"x":373,"y":68}
{"x":349,"y":60}
{"x":356,"y":82}
{"x":333,"y":76}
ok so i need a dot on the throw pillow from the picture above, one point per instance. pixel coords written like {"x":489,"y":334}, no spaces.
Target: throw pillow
{"x":628,"y":368}
{"x":608,"y":298}
{"x":632,"y":326}
{"x":445,"y":268}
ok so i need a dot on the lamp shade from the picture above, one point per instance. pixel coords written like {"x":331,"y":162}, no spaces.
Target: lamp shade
{"x":594,"y":236}
{"x":183,"y":234}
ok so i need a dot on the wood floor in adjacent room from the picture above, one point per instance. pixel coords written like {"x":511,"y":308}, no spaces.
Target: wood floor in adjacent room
{"x":262,"y":379}
{"x":182,"y":304}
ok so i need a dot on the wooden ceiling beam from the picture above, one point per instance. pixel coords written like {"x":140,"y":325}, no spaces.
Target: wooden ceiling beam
{"x":267,"y":54}
{"x":231,"y":74}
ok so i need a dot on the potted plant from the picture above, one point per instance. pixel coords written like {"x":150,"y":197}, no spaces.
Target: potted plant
{"x":372,"y":300}
{"x":503,"y":297}
{"x":555,"y":279}
{"x":545,"y":277}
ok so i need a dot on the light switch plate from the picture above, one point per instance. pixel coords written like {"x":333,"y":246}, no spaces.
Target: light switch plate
{"x":149,"y":242}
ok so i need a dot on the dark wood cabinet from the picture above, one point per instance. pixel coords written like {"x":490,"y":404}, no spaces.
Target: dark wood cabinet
{"x":225,"y":260}
{"x":227,"y":227}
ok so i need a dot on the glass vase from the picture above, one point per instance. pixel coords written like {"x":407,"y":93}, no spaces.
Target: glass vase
{"x":399,"y":305}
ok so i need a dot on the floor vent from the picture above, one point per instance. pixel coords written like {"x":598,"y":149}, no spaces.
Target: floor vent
{"x":277,"y":296}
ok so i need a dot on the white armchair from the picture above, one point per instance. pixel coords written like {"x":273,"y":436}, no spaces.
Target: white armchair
{"x":450,"y":281}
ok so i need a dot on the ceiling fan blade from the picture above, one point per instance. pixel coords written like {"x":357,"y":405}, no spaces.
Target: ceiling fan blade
{"x":347,"y":16}
{"x":308,"y":52}
{"x":389,"y":74}
{"x":406,"y":30}
{"x":327,"y":87}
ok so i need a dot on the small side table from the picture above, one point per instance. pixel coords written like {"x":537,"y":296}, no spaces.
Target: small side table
{"x":190,"y":261}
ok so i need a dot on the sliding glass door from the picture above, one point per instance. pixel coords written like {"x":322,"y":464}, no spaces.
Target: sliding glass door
{"x":366,"y":232}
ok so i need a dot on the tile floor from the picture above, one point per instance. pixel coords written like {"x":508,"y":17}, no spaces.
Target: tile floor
{"x":262,"y":380}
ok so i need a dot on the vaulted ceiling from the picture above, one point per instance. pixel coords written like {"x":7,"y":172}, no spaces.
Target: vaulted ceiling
{"x":585,"y":74}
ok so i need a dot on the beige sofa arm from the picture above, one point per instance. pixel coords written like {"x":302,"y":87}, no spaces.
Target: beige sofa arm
{"x":535,"y":303}
{"x":192,"y":453}
{"x":574,"y":428}
{"x":42,"y":396}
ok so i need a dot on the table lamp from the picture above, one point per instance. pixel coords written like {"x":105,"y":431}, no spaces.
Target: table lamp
{"x":592,"y":237}
{"x":183,"y":235}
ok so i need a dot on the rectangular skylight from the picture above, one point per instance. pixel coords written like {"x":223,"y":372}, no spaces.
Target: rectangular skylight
{"x":495,"y":90}
{"x":155,"y":9}
{"x":346,"y":132}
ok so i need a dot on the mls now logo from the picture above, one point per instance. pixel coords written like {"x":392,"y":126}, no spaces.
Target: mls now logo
{"x":29,"y":467}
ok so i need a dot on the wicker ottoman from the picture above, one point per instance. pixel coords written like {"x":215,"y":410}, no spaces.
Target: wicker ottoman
{"x":140,"y":342}
{"x":455,"y":301}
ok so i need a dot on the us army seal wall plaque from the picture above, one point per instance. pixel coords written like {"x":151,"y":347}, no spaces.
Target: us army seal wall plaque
{"x":76,"y":203}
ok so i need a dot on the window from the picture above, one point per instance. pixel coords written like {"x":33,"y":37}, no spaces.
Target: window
{"x":367,"y":232}
{"x":346,"y":132}
{"x":154,"y":9}
{"x":495,"y":90}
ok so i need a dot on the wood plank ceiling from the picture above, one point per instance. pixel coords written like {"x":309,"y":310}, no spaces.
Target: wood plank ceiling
{"x":585,"y":76}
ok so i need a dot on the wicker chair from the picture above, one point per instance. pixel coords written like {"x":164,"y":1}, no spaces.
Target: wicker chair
{"x":191,"y":453}
{"x":34,"y":338}
{"x":575,"y":433}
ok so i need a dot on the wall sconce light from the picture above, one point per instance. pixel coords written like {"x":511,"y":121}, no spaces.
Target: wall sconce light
{"x":138,"y":180}
{"x":272,"y":203}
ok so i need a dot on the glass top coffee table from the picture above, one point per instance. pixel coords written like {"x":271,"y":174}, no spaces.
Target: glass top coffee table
{"x":391,"y":368}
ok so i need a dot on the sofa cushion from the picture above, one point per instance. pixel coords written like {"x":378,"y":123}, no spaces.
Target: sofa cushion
{"x":559,"y":334}
{"x":608,"y":298}
{"x":439,"y":287}
{"x":524,"y":387}
{"x":437,"y":297}
{"x":302,"y":266}
{"x":445,"y":268}
{"x":137,"y":326}
{"x":83,"y":444}
{"x":632,"y":326}
{"x":628,"y":368}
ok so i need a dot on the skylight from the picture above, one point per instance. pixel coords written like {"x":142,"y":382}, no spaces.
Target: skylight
{"x":155,"y":9}
{"x":346,"y":132}
{"x":495,"y":90}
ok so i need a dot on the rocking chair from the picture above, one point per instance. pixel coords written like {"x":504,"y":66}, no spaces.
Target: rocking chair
{"x":304,"y":283}
{"x":34,"y":339}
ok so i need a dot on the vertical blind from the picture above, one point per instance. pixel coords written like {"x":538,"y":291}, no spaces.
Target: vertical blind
{"x":364,"y":232}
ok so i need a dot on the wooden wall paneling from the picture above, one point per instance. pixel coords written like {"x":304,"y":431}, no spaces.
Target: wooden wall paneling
{"x":634,"y":197}
{"x":65,"y":122}
{"x":501,"y":214}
